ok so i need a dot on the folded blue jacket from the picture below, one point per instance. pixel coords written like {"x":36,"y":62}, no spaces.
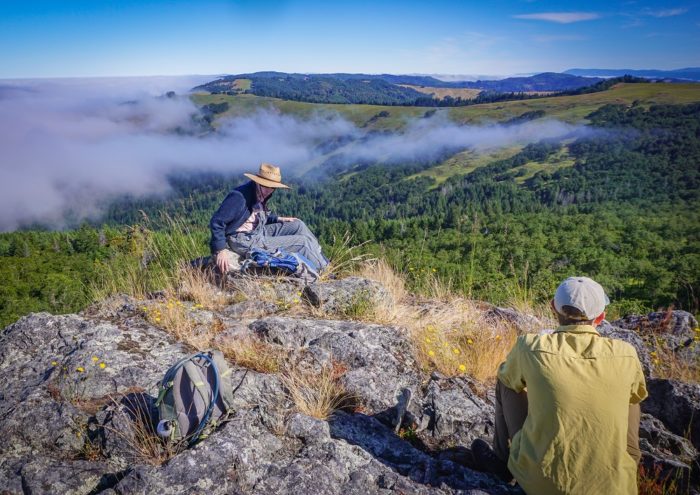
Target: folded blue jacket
{"x":233,"y":213}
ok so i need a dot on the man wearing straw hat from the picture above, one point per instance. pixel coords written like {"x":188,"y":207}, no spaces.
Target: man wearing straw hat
{"x":243,"y":222}
{"x":567,"y":404}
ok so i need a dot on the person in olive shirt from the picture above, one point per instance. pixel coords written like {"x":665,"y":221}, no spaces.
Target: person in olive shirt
{"x":243,"y":222}
{"x":567,"y":404}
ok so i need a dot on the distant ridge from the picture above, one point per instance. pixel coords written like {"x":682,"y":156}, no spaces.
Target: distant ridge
{"x":688,"y":73}
{"x":386,"y":89}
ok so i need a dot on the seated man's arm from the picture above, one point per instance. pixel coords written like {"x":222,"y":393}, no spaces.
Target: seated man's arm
{"x":231,"y":208}
{"x":510,"y":372}
{"x":638,"y":390}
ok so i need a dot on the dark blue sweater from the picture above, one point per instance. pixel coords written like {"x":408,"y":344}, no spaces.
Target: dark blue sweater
{"x":233,"y":213}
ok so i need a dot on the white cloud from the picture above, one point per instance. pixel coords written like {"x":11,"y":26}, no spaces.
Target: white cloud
{"x":75,"y":147}
{"x":666,"y":12}
{"x":560,"y":17}
{"x":549,"y":38}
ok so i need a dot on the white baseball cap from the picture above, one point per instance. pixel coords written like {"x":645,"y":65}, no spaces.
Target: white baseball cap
{"x":582,"y":293}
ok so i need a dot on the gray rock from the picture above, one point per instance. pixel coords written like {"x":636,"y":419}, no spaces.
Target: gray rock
{"x":68,"y":423}
{"x":451,"y":414}
{"x":232,"y":460}
{"x":670,"y":454}
{"x":606,"y":329}
{"x":378,"y":359}
{"x":250,"y":309}
{"x":347,"y":296}
{"x":373,"y":437}
{"x":677,"y":405}
{"x":523,"y":323}
{"x":49,"y":476}
{"x":677,"y":327}
{"x":308,"y":429}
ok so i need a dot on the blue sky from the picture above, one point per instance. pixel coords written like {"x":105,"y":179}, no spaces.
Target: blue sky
{"x":497,"y":37}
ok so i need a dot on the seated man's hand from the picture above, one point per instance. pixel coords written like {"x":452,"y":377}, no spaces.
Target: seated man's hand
{"x":223,"y":258}
{"x":287,"y":219}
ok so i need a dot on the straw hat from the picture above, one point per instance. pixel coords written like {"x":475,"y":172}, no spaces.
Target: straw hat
{"x":268,"y":176}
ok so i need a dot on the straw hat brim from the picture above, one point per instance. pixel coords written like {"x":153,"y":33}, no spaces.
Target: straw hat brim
{"x":266,"y":182}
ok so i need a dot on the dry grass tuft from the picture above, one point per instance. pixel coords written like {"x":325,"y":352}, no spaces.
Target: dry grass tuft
{"x":143,"y":445}
{"x":448,"y":332}
{"x":176,"y":318}
{"x":344,"y":257}
{"x":318,"y":393}
{"x":173,"y":316}
{"x":380,"y":271}
{"x":672,"y":366}
{"x":254,"y":354}
{"x":197,"y":286}
{"x":454,"y":339}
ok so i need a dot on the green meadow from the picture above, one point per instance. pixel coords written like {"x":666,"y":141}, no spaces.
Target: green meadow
{"x":571,"y":109}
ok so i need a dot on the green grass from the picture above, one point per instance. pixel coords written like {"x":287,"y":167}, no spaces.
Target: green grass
{"x":357,"y":114}
{"x":465,"y":162}
{"x":575,"y":108}
{"x":572,"y":109}
{"x":567,"y":108}
{"x":242,"y":84}
{"x":558,"y":160}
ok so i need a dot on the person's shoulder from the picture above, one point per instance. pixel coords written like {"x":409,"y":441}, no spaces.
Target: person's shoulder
{"x":526,"y":341}
{"x":621,"y":348}
{"x":236,"y":194}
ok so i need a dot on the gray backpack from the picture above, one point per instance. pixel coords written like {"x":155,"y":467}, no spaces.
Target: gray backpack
{"x":195,"y":396}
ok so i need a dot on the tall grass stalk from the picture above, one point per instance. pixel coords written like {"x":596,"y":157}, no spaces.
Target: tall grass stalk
{"x":151,"y":260}
{"x":344,"y":257}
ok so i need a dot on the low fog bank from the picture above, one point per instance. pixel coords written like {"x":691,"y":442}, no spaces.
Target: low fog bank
{"x":74,"y":145}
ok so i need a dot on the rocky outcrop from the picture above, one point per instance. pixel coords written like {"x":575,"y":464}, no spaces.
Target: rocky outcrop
{"x":677,"y":405}
{"x":75,"y":389}
{"x":677,"y":330}
{"x":348,"y":295}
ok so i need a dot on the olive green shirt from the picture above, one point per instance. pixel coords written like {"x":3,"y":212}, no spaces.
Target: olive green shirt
{"x":579,"y":387}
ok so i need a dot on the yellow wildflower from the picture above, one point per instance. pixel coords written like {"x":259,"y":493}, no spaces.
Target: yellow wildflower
{"x":431,"y":353}
{"x":53,"y":363}
{"x":470,"y":341}
{"x":103,"y":366}
{"x":427,"y":340}
{"x":79,"y":369}
{"x":95,"y":359}
{"x":434,"y":270}
{"x":462,"y":368}
{"x":157,"y":319}
{"x":456,"y":351}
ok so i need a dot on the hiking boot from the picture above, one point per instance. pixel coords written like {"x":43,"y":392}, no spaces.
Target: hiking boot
{"x":487,"y":461}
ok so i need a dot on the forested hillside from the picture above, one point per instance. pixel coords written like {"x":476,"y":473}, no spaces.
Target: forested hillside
{"x":625,"y":213}
{"x":385,"y":89}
